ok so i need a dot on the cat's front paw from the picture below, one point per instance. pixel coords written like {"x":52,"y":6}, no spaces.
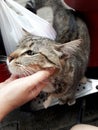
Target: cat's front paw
{"x":71,"y":102}
{"x":47,"y":102}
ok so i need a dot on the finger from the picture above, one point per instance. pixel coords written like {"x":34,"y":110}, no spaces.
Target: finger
{"x":11,"y":78}
{"x":35,"y":92}
{"x":33,"y":80}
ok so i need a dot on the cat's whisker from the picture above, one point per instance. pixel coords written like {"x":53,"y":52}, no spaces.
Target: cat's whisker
{"x":26,"y":71}
{"x":22,"y":70}
{"x":30,"y":70}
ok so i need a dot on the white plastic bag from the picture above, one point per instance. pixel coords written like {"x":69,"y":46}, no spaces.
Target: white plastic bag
{"x":14,"y":18}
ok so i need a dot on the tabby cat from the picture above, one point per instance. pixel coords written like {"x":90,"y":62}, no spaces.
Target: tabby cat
{"x":68,"y":55}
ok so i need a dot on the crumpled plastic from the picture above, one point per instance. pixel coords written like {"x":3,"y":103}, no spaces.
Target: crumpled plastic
{"x":15,"y":20}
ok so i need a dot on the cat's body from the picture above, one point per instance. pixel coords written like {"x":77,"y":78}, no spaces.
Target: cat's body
{"x":69,"y":60}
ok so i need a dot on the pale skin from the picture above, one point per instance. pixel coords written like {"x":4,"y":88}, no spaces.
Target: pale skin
{"x":84,"y":127}
{"x":15,"y":92}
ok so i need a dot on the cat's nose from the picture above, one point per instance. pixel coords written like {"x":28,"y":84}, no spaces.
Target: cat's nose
{"x":10,"y":58}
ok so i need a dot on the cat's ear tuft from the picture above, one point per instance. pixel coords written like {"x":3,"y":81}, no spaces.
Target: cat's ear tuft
{"x":74,"y":45}
{"x":68,"y":48}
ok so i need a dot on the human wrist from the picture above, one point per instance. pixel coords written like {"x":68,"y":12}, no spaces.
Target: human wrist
{"x":5,"y":107}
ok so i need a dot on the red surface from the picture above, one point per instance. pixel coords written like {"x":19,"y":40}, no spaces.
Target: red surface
{"x":4,"y":73}
{"x":89,"y":9}
{"x":83,"y":5}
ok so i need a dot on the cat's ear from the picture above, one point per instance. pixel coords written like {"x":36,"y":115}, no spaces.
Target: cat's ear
{"x":69,"y":48}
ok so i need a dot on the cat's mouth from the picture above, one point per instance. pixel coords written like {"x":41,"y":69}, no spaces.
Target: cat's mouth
{"x":26,"y":71}
{"x":31,"y":69}
{"x":23,"y":71}
{"x":52,"y":70}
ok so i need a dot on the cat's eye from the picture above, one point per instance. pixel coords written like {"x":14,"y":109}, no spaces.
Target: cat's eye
{"x":30,"y":52}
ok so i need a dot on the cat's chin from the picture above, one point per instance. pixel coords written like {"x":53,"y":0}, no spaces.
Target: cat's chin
{"x":20,"y":74}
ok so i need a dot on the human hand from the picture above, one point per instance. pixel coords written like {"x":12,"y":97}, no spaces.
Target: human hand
{"x":15,"y":92}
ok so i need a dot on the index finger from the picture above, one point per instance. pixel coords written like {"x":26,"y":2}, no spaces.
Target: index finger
{"x":32,"y":80}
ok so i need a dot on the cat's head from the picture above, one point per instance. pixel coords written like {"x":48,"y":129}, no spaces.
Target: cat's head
{"x":37,"y":53}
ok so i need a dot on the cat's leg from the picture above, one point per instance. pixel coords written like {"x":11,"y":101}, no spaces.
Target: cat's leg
{"x":48,"y":101}
{"x":71,"y":101}
{"x":68,"y":98}
{"x":50,"y":98}
{"x":83,"y":80}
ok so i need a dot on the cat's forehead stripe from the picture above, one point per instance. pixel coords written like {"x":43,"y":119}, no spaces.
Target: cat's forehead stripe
{"x":29,"y":40}
{"x":27,"y":43}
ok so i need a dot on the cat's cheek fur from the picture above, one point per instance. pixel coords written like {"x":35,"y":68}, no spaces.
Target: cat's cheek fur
{"x":13,"y":69}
